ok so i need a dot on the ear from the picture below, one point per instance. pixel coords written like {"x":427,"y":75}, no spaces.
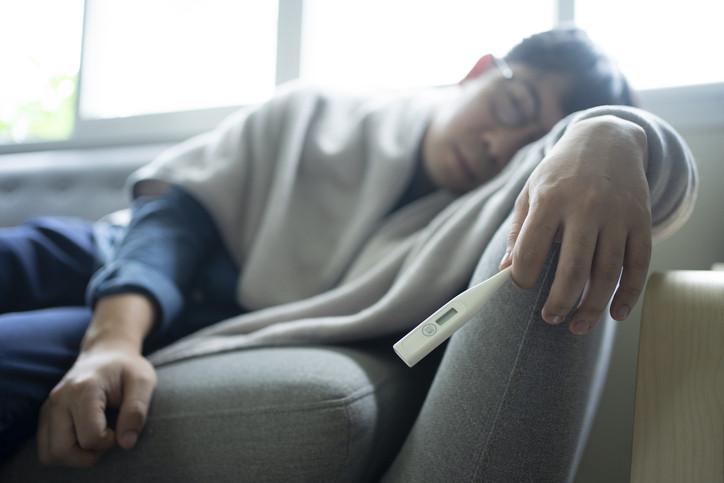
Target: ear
{"x":480,"y":67}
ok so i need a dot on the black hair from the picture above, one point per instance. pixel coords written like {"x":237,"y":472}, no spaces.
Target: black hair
{"x":597,"y":80}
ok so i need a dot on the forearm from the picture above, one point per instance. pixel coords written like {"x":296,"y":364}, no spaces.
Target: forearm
{"x":165,"y":242}
{"x":122,"y":321}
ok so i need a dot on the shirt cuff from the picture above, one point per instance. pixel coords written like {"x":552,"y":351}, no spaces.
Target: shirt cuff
{"x":129,"y":276}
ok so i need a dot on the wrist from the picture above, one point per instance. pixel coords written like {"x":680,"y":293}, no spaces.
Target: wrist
{"x":616,"y":130}
{"x":120,"y":321}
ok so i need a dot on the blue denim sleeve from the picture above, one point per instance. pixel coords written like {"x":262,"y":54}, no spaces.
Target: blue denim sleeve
{"x":162,"y":246}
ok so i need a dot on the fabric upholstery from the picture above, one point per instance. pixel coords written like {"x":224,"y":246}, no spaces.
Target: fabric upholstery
{"x":268,"y":414}
{"x":512,"y":401}
{"x":514,"y":398}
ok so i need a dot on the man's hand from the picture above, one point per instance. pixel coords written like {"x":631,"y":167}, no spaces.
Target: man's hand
{"x":591,"y":194}
{"x":109,"y":372}
{"x":73,"y":430}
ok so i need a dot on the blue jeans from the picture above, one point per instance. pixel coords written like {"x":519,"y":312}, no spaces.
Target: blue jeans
{"x":45,"y":265}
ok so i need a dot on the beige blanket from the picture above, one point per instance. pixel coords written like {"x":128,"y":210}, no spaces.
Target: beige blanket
{"x":302,"y":188}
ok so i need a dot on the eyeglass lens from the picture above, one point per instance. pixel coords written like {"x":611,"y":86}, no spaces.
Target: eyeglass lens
{"x":515,"y":104}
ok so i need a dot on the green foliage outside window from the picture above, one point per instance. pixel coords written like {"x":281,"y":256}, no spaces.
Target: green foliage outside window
{"x":49,"y":117}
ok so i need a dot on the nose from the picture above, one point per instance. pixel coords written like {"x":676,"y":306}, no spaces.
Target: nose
{"x":492,"y":145}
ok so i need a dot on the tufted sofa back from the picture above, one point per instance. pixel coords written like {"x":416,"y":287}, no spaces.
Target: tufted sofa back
{"x":87,"y":183}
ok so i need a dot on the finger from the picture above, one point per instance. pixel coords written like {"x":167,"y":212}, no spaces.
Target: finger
{"x":635,"y":272}
{"x":605,"y":273}
{"x":520,"y":212}
{"x":59,"y":445}
{"x":572,"y":273}
{"x":138,"y":391}
{"x":534,"y":242}
{"x":89,"y":418}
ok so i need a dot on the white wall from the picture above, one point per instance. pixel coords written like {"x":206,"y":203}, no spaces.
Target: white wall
{"x":697,"y":245}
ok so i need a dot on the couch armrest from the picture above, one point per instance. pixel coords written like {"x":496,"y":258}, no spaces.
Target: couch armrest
{"x":679,"y":409}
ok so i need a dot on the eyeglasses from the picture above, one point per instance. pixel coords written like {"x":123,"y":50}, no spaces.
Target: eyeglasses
{"x":516,"y":102}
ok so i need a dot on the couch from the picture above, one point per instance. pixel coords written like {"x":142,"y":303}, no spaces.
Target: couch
{"x":508,"y":398}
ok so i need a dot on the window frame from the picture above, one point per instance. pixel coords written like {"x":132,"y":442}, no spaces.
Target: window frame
{"x":169,"y":127}
{"x":688,"y":106}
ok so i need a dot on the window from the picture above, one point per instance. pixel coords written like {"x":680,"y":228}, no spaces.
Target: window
{"x":659,"y":44}
{"x":39,"y":55}
{"x":379,"y":43}
{"x":139,"y":59}
{"x":175,"y":56}
{"x":162,"y":70}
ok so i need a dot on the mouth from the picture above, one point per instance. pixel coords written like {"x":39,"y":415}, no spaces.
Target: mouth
{"x":464,"y":165}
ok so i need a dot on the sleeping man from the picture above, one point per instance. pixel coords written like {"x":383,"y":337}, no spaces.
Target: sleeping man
{"x":320,"y":216}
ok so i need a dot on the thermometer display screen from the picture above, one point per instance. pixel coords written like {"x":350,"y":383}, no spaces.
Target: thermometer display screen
{"x":446,"y":316}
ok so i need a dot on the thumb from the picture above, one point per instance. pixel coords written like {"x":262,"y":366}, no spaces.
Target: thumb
{"x":134,"y":409}
{"x":520,"y":212}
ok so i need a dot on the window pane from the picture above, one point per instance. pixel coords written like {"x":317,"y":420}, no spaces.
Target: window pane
{"x":382,"y":43}
{"x":39,"y":54}
{"x":151,"y":56}
{"x":659,"y":44}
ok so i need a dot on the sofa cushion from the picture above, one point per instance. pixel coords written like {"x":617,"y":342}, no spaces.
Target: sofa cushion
{"x":268,"y":414}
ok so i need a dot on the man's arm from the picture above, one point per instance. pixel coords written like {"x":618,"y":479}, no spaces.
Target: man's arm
{"x":591,"y":194}
{"x":109,"y":372}
{"x":137,"y":292}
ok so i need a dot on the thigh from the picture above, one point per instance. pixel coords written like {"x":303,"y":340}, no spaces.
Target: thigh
{"x":38,"y":347}
{"x":45,"y":262}
{"x":36,"y":350}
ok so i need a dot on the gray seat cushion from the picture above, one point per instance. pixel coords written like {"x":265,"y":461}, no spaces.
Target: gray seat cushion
{"x":269,"y":414}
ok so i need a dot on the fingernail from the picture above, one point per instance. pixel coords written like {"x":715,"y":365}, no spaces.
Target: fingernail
{"x":128,"y":440}
{"x":622,"y":312}
{"x":582,"y":327}
{"x":506,"y":260}
{"x":554,"y":319}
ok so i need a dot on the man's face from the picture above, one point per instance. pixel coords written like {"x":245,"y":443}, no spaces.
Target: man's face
{"x":472,"y":138}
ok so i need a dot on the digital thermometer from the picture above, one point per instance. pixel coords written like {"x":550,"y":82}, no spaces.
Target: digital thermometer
{"x":447,"y":319}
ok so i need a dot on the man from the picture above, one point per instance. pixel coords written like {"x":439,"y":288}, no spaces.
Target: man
{"x":287,"y":202}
